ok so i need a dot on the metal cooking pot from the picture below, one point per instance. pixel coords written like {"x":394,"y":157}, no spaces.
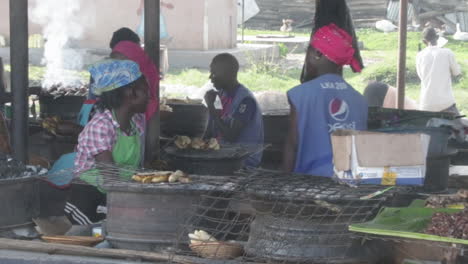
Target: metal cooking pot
{"x":186,"y":119}
{"x":66,"y":107}
{"x":229,"y":159}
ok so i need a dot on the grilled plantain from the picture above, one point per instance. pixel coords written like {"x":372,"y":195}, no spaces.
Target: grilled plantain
{"x":213,"y":144}
{"x":198,"y":143}
{"x":182,"y":142}
{"x":159,"y":179}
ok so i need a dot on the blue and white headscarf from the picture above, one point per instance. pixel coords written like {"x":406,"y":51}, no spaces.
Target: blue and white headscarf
{"x":109,"y":75}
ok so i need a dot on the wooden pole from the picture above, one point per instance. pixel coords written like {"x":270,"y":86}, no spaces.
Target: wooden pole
{"x":81,"y":251}
{"x":19,"y":77}
{"x":2,"y":85}
{"x":402,"y":54}
{"x":243,"y":17}
{"x":152,"y":46}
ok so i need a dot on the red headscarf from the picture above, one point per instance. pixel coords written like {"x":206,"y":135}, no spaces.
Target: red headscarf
{"x":337,"y":45}
{"x":134,"y":52}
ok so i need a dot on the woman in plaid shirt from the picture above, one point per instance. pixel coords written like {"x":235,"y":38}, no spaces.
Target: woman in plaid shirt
{"x":115,"y":134}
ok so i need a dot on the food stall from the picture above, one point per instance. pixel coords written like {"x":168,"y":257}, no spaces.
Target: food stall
{"x":211,"y":212}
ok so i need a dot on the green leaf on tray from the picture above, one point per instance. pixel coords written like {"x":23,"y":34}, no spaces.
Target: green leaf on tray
{"x":408,"y":222}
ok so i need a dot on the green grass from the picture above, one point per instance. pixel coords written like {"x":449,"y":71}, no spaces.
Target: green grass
{"x":276,"y":80}
{"x":254,"y":32}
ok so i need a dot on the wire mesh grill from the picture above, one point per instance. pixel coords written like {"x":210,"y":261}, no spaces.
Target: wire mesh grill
{"x":256,"y":216}
{"x":270,"y":216}
{"x":261,"y":216}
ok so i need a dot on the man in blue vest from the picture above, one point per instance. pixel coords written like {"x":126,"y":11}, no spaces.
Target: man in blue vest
{"x":323,"y":103}
{"x":240,"y":120}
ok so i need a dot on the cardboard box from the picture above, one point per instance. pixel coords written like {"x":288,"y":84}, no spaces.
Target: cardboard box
{"x":380,"y":158}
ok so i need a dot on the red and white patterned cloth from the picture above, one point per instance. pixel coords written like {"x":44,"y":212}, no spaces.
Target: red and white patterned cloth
{"x":100,"y":135}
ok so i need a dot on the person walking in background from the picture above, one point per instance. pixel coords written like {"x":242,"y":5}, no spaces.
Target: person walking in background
{"x":435,"y":67}
{"x":163,"y":34}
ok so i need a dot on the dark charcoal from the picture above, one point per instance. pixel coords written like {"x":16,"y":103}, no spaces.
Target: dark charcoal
{"x":60,"y":90}
{"x":12,"y":169}
{"x":449,"y":225}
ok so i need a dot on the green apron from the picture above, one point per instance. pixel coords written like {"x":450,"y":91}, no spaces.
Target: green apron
{"x":125,"y":153}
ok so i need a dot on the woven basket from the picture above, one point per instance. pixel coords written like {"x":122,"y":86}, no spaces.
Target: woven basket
{"x":218,"y":250}
{"x":74,"y":240}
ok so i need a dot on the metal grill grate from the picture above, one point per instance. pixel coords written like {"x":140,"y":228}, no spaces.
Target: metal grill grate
{"x":270,"y":216}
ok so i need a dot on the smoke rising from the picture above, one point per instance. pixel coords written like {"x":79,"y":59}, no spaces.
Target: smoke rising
{"x":63,"y":23}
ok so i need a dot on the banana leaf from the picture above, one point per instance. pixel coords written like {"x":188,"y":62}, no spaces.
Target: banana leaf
{"x":408,"y":222}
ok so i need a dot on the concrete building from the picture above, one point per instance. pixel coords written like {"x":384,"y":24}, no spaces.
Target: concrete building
{"x":193,"y":25}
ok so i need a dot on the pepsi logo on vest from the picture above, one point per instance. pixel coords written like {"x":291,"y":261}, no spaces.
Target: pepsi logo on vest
{"x":338,"y":109}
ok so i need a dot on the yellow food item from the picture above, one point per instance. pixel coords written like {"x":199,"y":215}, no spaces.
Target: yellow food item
{"x":161,"y":176}
{"x":198,"y":143}
{"x":175,"y":176}
{"x":147,"y":179}
{"x":201,"y":236}
{"x":194,"y":239}
{"x":137,"y":178}
{"x":213,"y":144}
{"x":159,"y":179}
{"x":166,"y":108}
{"x":185,"y":180}
{"x":182,"y":142}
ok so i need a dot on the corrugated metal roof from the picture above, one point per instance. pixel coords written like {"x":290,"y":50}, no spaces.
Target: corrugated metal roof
{"x":460,"y":17}
{"x":393,"y":11}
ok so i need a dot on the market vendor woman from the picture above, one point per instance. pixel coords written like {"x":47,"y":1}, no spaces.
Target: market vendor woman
{"x":114,"y":136}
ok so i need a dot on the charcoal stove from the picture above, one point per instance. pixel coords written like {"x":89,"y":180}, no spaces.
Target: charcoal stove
{"x":295,"y":241}
{"x":150,"y":217}
{"x":65,"y":107}
{"x":226,"y":161}
{"x":19,"y":200}
{"x":302,"y":218}
{"x":64,"y":102}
